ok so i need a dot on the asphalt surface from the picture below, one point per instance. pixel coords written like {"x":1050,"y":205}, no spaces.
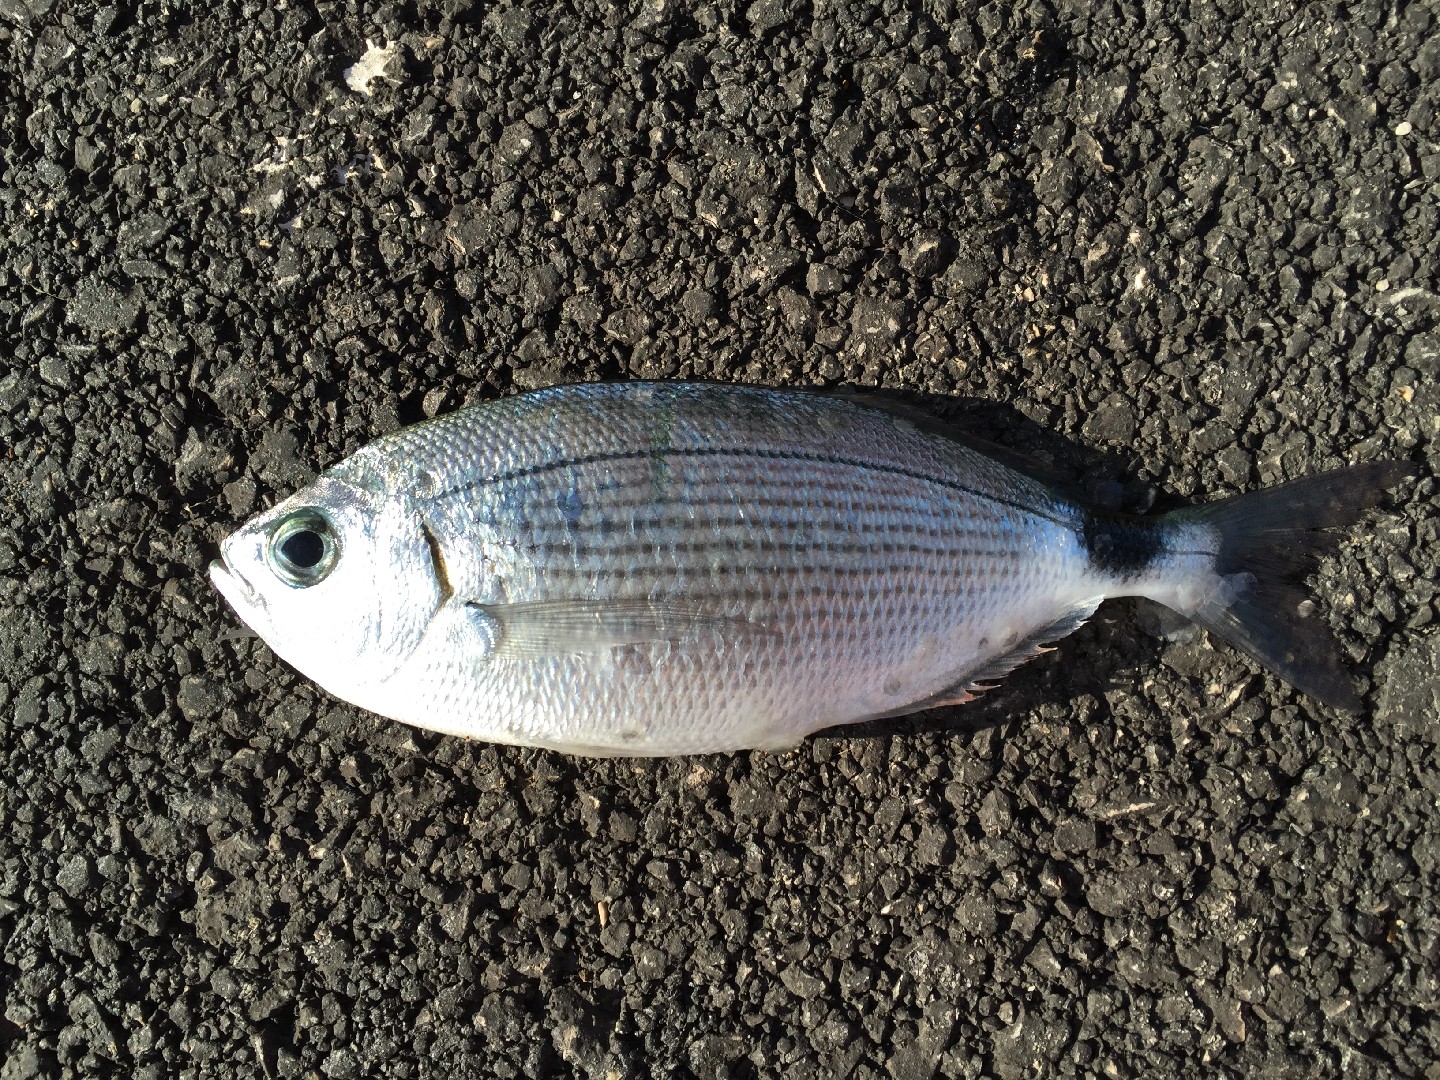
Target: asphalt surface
{"x":1188,"y":246}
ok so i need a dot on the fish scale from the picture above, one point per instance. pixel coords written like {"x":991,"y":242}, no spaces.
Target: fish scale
{"x":646,"y":569}
{"x":821,"y":617}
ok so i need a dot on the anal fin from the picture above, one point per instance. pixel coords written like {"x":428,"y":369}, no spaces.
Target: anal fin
{"x":978,"y":680}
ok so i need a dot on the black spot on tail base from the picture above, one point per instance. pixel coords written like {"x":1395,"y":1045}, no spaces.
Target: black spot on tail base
{"x":1121,"y":546}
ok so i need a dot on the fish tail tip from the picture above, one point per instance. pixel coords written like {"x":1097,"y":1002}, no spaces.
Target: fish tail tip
{"x":1266,"y":541}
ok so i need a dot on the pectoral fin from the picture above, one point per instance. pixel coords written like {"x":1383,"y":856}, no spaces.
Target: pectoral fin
{"x":553,"y":627}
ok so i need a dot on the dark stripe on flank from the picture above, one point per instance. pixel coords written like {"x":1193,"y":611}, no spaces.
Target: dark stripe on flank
{"x":1048,"y":513}
{"x":631,"y":575}
{"x":699,"y":545}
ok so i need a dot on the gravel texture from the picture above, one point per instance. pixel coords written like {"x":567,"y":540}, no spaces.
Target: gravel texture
{"x":1187,"y":245}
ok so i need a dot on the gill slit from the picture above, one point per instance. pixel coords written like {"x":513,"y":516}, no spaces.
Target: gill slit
{"x":442,"y":580}
{"x":437,"y":563}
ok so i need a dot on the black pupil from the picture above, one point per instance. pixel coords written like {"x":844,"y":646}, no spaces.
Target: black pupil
{"x":303,"y":549}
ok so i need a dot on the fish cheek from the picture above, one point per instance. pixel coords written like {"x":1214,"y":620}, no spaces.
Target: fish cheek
{"x":393,"y":592}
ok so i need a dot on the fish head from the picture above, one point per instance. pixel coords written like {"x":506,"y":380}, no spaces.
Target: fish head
{"x":339,"y":580}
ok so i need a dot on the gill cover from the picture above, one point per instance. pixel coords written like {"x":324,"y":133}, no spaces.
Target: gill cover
{"x":339,"y":581}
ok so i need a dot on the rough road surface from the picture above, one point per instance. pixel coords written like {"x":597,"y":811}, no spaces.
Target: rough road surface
{"x":1190,"y":245}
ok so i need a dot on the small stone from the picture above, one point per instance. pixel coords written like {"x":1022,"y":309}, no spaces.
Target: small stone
{"x":1057,"y":184}
{"x":1042,"y":959}
{"x":628,"y":326}
{"x":199,"y":697}
{"x":540,"y":290}
{"x":434,"y":402}
{"x":799,"y":310}
{"x":997,"y":812}
{"x":225,"y":985}
{"x":22,"y":1063}
{"x":824,"y":280}
{"x":102,"y":308}
{"x":86,"y":152}
{"x":766,"y":15}
{"x":699,"y":305}
{"x":1410,"y":694}
{"x":1075,"y":835}
{"x":801,"y":983}
{"x":104,"y":949}
{"x":920,"y":1059}
{"x":924,"y":255}
{"x":877,"y":320}
{"x":517,"y":142}
{"x":240,"y":496}
{"x":278,"y":458}
{"x":55,"y":371}
{"x":1112,"y":421}
{"x":977,"y":914}
{"x":934,"y":846}
{"x":75,"y":875}
{"x":198,"y":462}
{"x":97,"y":746}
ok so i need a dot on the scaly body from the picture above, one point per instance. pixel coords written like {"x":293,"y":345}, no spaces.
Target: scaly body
{"x":650,"y":569}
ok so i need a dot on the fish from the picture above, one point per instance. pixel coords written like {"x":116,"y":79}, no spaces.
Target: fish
{"x":669,"y":568}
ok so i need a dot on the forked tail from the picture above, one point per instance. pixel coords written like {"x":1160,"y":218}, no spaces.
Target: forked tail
{"x":1235,"y":568}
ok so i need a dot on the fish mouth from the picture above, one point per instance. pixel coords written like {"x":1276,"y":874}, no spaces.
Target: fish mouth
{"x":232,"y":585}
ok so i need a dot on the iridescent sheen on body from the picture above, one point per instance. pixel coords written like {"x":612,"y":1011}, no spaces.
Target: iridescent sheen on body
{"x":649,"y":569}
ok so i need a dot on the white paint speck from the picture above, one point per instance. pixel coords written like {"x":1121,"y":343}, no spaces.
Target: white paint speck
{"x":371,"y":66}
{"x":1400,"y":296}
{"x":362,"y":166}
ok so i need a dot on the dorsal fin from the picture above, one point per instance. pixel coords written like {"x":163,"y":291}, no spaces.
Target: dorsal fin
{"x":892,"y":403}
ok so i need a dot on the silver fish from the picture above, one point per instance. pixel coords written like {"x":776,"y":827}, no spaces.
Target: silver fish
{"x":668,"y":568}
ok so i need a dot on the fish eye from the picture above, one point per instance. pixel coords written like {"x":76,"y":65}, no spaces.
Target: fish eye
{"x":303,"y":548}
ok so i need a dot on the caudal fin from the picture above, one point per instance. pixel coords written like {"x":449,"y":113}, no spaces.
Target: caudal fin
{"x":1268,"y":541}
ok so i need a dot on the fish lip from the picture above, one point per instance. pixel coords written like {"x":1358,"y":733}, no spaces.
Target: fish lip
{"x":231,"y":584}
